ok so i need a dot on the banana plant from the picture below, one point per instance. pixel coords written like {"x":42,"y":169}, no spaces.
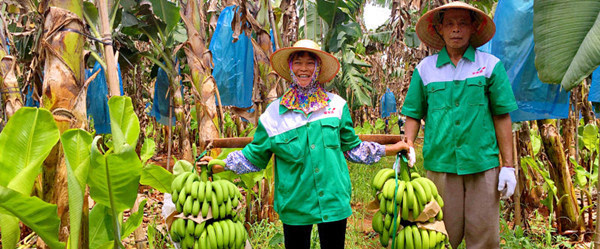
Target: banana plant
{"x":579,"y":53}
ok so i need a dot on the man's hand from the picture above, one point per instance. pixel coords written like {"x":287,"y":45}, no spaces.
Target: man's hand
{"x":507,"y":182}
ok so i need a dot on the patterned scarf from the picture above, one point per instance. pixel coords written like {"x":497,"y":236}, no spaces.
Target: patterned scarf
{"x":307,"y":99}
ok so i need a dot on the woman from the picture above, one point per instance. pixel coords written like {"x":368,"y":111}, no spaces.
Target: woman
{"x":310,"y":132}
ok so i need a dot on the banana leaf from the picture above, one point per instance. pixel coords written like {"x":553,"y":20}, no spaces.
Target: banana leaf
{"x":38,"y":215}
{"x":76,"y":146}
{"x":157,"y":177}
{"x":567,"y":40}
{"x":124,"y":123}
{"x":25,"y":142}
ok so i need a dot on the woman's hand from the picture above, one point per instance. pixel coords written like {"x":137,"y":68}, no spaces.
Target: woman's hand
{"x":393,"y":149}
{"x":216,"y":168}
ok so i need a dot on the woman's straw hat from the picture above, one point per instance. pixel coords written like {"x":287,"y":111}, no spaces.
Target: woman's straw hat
{"x":426,"y":26}
{"x":329,"y":64}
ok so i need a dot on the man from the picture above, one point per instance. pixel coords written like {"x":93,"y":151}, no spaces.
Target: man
{"x":465,"y":98}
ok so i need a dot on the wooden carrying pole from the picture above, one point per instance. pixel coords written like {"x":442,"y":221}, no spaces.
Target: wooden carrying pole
{"x":240,"y":142}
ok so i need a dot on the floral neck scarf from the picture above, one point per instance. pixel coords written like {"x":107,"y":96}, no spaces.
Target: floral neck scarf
{"x":307,"y":99}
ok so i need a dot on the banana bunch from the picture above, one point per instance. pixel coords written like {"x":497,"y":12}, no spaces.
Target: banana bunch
{"x":412,"y":237}
{"x":195,"y":197}
{"x":411,"y":194}
{"x":210,"y":234}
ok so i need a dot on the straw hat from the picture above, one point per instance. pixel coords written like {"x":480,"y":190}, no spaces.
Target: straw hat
{"x":329,"y":64}
{"x":484,"y":26}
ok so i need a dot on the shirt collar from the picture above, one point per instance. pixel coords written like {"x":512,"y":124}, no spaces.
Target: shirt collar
{"x":444,"y":58}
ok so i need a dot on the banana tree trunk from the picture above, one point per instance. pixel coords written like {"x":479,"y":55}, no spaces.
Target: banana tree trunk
{"x":567,"y":210}
{"x":63,"y":94}
{"x":199,"y":60}
{"x":11,"y":95}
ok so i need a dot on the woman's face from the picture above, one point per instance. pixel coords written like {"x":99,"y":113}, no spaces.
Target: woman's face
{"x":303,"y":67}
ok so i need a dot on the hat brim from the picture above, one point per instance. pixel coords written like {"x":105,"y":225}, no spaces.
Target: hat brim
{"x":427,"y":33}
{"x":329,"y":64}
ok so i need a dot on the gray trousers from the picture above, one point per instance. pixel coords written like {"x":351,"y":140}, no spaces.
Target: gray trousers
{"x":471,"y":207}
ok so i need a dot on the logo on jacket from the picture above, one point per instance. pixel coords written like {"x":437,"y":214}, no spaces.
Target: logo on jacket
{"x":329,"y":110}
{"x":479,"y":70}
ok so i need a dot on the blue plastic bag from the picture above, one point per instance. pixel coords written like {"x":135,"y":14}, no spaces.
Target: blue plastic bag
{"x":388,"y":103}
{"x":97,"y":99}
{"x":160,"y":105}
{"x":233,"y":62}
{"x":513,"y":45}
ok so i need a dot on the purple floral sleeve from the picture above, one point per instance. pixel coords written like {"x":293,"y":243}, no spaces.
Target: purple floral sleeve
{"x":365,"y":152}
{"x":237,"y":162}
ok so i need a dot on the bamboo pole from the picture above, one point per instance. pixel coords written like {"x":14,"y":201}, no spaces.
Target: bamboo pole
{"x":109,"y":56}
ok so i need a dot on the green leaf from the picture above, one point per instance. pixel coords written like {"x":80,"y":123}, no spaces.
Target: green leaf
{"x":590,"y":137}
{"x":38,"y":215}
{"x":134,"y":220}
{"x":91,"y":12}
{"x":182,"y":166}
{"x":115,"y":177}
{"x":580,"y":176}
{"x":166,"y":11}
{"x":128,"y":20}
{"x":157,"y":177}
{"x":76,"y":145}
{"x":536,"y":143}
{"x":25,"y":142}
{"x":567,"y":45}
{"x":148,"y":149}
{"x":100,"y":227}
{"x":124,"y":124}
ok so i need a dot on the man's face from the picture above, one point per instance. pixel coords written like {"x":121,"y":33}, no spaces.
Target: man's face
{"x":456,"y":28}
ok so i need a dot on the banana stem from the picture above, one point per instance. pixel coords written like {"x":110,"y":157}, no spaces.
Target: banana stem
{"x":404,"y":169}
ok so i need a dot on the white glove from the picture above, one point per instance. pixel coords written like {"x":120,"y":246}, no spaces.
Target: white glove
{"x":507,"y":182}
{"x":412,"y":157}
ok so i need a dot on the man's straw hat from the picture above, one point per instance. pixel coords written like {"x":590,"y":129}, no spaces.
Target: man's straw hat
{"x":329,"y":64}
{"x":426,"y":26}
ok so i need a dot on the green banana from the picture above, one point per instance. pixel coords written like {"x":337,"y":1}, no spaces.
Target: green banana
{"x":188,"y":241}
{"x":404,"y":206}
{"x":177,"y":183}
{"x":417,"y":237}
{"x":432,"y":239}
{"x":189,"y":181}
{"x":408,"y":237}
{"x":199,"y":229}
{"x":441,"y":237}
{"x":383,"y":178}
{"x":201,"y":190}
{"x":174,"y":235}
{"x":205,"y":207}
{"x":388,"y":189}
{"x":416,"y":209}
{"x":426,"y":187}
{"x":204,"y":240}
{"x":218,"y":190}
{"x":400,"y":191}
{"x":239,"y":234}
{"x":212,"y":236}
{"x":208,"y":191}
{"x":214,"y":207}
{"x":175,"y":196}
{"x":382,"y":205}
{"x":434,"y":190}
{"x":218,"y":234}
{"x":225,"y":187}
{"x":178,"y":207}
{"x":235,"y":202}
{"x":187,"y":206}
{"x":425,"y":239}
{"x":196,"y":208}
{"x":223,"y":211}
{"x":390,"y":206}
{"x":376,"y":178}
{"x":387,"y":222}
{"x":228,"y":207}
{"x":440,"y":200}
{"x":182,"y":196}
{"x":440,"y":215}
{"x":414,"y":175}
{"x":419,"y":192}
{"x":378,"y":222}
{"x":384,"y":238}
{"x":231,"y":229}
{"x":400,"y":240}
{"x":179,"y":227}
{"x":190,"y":227}
{"x":194,"y":189}
{"x":410,"y":194}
